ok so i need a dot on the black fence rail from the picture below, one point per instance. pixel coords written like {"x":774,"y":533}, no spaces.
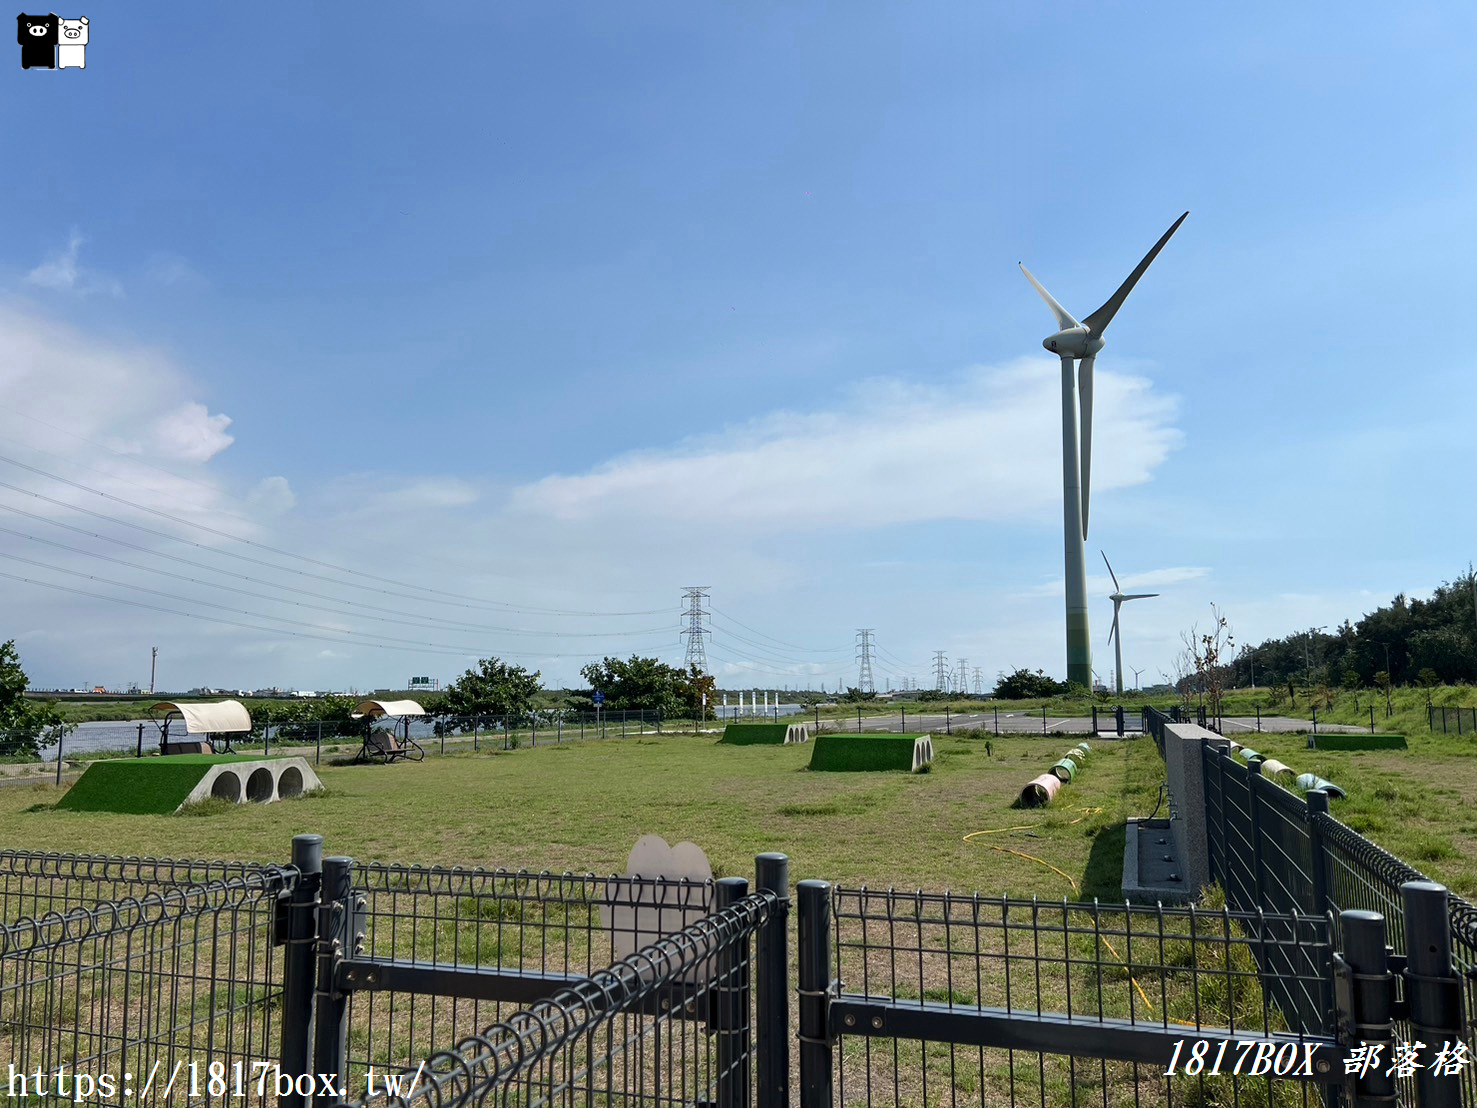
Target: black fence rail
{"x":152,"y":998}
{"x":1452,"y":721}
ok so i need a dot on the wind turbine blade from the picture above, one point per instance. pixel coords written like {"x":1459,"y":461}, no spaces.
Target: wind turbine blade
{"x":1098,"y":322}
{"x":1114,"y":630}
{"x":1064,"y":318}
{"x":1114,"y":576}
{"x":1084,"y":390}
{"x":1140,"y":595}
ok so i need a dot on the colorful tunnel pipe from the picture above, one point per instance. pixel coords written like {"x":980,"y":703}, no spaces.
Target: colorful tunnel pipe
{"x":1040,"y":791}
{"x":1311,"y":781}
{"x":1271,"y":767}
{"x":1066,"y":769}
{"x":1251,"y":755}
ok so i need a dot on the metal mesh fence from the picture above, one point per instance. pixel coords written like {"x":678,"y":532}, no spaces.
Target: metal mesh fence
{"x":666,"y":1024}
{"x":541,"y":929}
{"x":161,"y":996}
{"x":1092,"y":970}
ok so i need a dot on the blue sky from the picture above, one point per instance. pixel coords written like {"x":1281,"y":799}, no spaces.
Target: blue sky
{"x":561,"y":308}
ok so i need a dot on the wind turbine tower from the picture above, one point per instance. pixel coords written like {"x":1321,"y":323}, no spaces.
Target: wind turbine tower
{"x":1077,"y":344}
{"x":1115,"y":636}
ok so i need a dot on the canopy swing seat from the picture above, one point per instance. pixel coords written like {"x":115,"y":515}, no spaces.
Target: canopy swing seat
{"x":202,"y":728}
{"x":386,"y":744}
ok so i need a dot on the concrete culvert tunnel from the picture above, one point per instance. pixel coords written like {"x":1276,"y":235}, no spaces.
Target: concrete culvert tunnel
{"x":290,"y":783}
{"x":259,"y":786}
{"x":226,"y":786}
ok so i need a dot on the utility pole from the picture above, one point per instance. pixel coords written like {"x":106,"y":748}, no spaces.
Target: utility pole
{"x":864,"y":681}
{"x":940,"y":671}
{"x":697,"y":654}
{"x":153,"y":666}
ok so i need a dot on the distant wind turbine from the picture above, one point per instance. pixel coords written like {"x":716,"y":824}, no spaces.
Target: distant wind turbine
{"x":1115,"y":636}
{"x":1082,"y":341}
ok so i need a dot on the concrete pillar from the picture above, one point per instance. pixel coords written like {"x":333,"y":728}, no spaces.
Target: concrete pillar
{"x":1184,"y":745}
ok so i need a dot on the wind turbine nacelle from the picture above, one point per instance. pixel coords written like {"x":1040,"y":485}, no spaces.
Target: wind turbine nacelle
{"x":1074,"y":342}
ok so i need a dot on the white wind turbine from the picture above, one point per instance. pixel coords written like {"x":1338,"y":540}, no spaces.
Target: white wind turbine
{"x":1082,"y":341}
{"x":1115,"y":636}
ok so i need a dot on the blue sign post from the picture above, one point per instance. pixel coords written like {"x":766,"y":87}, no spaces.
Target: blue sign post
{"x":599,"y":699}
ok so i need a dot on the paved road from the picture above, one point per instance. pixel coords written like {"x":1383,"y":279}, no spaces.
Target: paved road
{"x":1025,"y":723}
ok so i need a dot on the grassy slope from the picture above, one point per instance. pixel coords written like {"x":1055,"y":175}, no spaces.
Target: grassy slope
{"x":581,"y":807}
{"x":153,"y":785}
{"x":754,"y":734}
{"x":840,"y":752}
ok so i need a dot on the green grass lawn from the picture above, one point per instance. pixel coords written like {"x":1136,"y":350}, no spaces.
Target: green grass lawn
{"x":581,"y":807}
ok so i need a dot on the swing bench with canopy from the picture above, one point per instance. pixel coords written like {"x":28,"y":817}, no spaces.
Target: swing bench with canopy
{"x":222,"y":719}
{"x":383,"y":744}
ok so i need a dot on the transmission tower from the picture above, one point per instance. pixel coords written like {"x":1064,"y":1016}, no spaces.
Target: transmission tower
{"x":697,"y":654}
{"x":979,"y":686}
{"x":864,"y":681}
{"x":961,"y":683}
{"x":940,"y":671}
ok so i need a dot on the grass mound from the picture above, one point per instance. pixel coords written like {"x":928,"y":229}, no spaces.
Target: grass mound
{"x":835,"y":751}
{"x":142,"y":786}
{"x":1359,"y":742}
{"x":753,"y":734}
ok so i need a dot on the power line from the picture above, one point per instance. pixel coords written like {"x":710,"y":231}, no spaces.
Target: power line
{"x":453,"y":597}
{"x":432,"y":622}
{"x":771,"y":638}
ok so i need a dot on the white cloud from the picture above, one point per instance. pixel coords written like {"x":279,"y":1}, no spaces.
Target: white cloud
{"x":172,"y":270}
{"x":272,"y":495}
{"x":63,"y":272}
{"x":975,"y":448}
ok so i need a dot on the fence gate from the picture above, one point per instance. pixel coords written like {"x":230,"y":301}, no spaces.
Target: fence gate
{"x":939,"y":999}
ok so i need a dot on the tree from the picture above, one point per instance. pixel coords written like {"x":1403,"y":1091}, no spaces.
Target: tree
{"x":1204,"y":653}
{"x":1025,"y":685}
{"x":648,"y":684}
{"x":494,"y":688}
{"x":25,"y":725}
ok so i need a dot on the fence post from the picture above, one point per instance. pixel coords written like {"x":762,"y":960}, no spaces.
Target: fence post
{"x":474,"y":736}
{"x":1371,"y":719}
{"x":1118,"y":720}
{"x":1371,"y":995}
{"x":772,"y":1009}
{"x":858,"y":719}
{"x":331,"y":1015}
{"x":1254,"y":802}
{"x":1094,"y":720}
{"x":140,"y":753}
{"x":297,"y":963}
{"x":814,"y":933}
{"x":318,"y":752}
{"x":1315,"y":720}
{"x":1433,"y":991}
{"x":732,"y":1005}
{"x":905,"y":720}
{"x":948,"y":723}
{"x":1043,"y":719}
{"x":266,"y":738}
{"x":997,"y":719}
